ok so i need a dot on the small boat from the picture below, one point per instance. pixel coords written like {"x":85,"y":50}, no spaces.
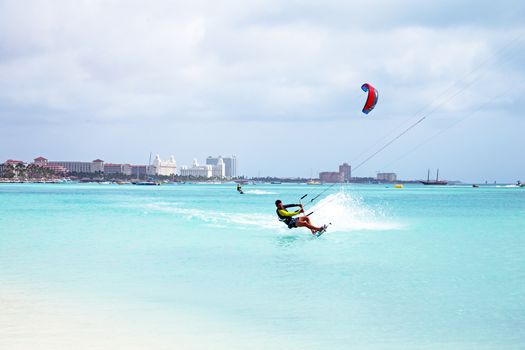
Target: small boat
{"x":475,"y":186}
{"x":147,"y":183}
{"x":434,"y":182}
{"x":312,"y":182}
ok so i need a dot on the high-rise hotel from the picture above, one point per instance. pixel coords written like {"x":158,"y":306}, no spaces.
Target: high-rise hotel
{"x":230,"y":164}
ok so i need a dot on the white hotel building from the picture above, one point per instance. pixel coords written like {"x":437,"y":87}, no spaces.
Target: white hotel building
{"x":163,"y":168}
{"x":206,"y":171}
{"x":230,"y":164}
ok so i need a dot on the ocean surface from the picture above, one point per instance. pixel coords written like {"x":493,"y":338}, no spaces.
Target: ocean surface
{"x":193,"y":266}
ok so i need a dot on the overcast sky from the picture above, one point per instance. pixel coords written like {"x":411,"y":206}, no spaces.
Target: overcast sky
{"x":276,"y":83}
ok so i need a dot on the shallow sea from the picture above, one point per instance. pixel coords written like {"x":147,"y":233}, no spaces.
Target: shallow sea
{"x":202,"y":267}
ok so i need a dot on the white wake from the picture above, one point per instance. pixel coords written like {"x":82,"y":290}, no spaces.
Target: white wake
{"x":344,"y":211}
{"x":349,"y":213}
{"x":259,"y":192}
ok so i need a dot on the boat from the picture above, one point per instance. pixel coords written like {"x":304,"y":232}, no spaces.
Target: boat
{"x":475,"y":186}
{"x":434,"y":182}
{"x":147,"y":183}
{"x":312,"y":182}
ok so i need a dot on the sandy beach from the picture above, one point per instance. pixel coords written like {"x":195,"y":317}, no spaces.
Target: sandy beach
{"x":29,"y":321}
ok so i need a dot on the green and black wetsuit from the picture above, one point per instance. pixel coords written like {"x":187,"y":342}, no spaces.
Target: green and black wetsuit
{"x":286,"y":216}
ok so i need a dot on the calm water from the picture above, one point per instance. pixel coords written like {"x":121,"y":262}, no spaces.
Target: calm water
{"x":416,"y":268}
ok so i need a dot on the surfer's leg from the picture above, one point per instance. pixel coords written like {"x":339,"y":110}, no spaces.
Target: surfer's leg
{"x":304,"y":221}
{"x":312,"y":228}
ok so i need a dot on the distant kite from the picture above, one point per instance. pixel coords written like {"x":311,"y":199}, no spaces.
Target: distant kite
{"x":371,"y":100}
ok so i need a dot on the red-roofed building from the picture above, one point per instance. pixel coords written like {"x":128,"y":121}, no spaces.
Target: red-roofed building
{"x":110,"y":168}
{"x":97,"y":166}
{"x":59,"y":169}
{"x":14,"y":162}
{"x":43,"y":162}
{"x":40,"y":161}
{"x":71,"y":166}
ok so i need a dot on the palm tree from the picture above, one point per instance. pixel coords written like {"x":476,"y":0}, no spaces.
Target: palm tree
{"x":20,"y":170}
{"x":9,"y":171}
{"x":32,"y":170}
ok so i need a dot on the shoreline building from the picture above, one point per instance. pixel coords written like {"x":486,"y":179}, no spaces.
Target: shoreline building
{"x":387,"y":177}
{"x":71,"y":166}
{"x":57,"y":167}
{"x":74,"y":167}
{"x":219,"y":170}
{"x":110,"y":168}
{"x":207,"y":171}
{"x":163,"y":168}
{"x":42,"y":162}
{"x":346,"y":171}
{"x":14,"y":162}
{"x":343,"y":175}
{"x":196,"y":170}
{"x":330,"y":176}
{"x":97,"y":166}
{"x":139,"y":171}
{"x":230,"y":165}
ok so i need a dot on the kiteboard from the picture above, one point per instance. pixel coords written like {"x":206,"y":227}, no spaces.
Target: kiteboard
{"x":323,"y":230}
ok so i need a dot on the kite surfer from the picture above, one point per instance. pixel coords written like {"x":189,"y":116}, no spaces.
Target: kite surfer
{"x":302,"y":221}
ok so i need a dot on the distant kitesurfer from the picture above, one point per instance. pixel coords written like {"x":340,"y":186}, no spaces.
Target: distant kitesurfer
{"x":239,"y":189}
{"x":301,"y":221}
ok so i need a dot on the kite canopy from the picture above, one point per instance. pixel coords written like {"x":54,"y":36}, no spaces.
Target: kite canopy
{"x":371,"y":100}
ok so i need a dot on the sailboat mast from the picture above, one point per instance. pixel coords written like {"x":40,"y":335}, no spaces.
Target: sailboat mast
{"x":437,"y":175}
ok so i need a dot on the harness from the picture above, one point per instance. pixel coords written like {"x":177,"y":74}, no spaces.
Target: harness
{"x":288,"y":220}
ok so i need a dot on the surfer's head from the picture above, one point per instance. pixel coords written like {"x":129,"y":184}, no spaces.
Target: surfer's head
{"x":278,"y":203}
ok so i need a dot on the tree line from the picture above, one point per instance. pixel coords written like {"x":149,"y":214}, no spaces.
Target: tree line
{"x":22,"y":171}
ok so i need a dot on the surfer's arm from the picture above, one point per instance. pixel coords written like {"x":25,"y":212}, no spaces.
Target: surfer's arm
{"x":291,"y":205}
{"x":288,"y":213}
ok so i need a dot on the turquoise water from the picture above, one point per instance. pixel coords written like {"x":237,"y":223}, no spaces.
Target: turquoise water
{"x":413,"y":268}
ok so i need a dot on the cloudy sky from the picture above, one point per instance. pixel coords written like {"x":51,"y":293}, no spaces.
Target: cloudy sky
{"x":276,"y":83}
